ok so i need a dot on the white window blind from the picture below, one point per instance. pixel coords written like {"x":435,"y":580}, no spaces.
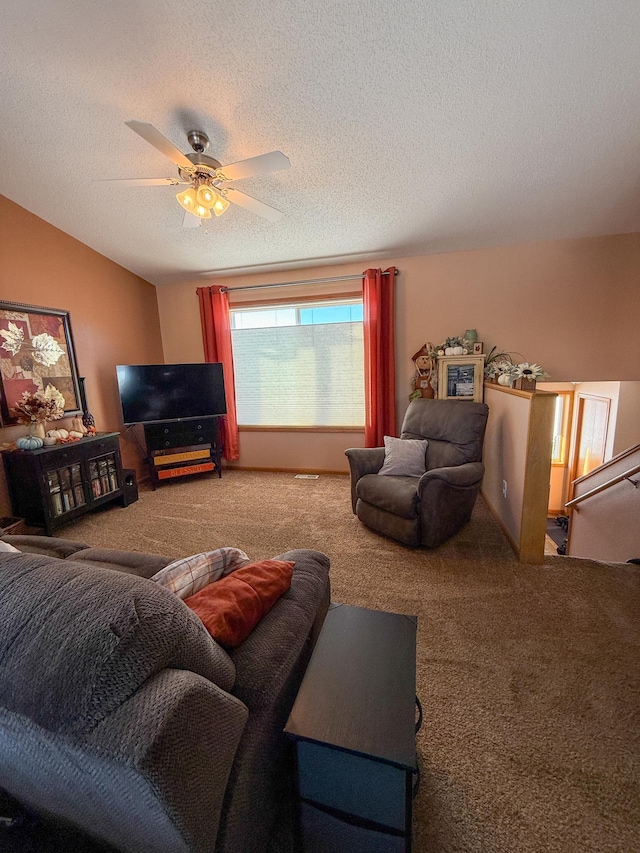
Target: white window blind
{"x":299,"y":365}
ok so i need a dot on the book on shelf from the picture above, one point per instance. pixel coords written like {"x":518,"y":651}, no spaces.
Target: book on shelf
{"x":56,"y":503}
{"x":113,"y":476}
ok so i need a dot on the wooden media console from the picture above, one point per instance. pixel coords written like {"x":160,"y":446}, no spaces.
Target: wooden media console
{"x":182,"y":448}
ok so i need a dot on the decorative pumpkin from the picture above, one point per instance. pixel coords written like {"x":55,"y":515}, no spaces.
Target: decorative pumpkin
{"x":49,"y":440}
{"x":76,"y":434}
{"x":78,"y":426}
{"x":504,"y":379}
{"x":58,"y":433}
{"x":29,"y":442}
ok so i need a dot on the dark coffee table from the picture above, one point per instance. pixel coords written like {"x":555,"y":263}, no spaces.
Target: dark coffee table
{"x":353,"y":723}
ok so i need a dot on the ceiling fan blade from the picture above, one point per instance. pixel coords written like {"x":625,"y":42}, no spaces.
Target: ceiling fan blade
{"x":260,"y":165}
{"x":155,"y":138}
{"x":141,"y":182}
{"x":253,"y":205}
{"x":190,"y":221}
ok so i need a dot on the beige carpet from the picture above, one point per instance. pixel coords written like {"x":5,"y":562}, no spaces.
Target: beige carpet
{"x":529,"y":676}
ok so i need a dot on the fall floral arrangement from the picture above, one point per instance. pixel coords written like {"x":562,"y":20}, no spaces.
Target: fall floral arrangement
{"x":41,"y":406}
{"x":448,"y":346}
{"x":524,"y":370}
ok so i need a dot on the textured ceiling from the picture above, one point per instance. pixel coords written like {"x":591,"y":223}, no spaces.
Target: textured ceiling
{"x":411,"y":127}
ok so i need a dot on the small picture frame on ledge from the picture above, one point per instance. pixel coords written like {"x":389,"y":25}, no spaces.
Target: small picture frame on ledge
{"x":478,"y":348}
{"x":461,"y":377}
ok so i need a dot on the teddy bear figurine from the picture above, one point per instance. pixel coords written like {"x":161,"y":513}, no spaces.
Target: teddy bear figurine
{"x":425,"y":376}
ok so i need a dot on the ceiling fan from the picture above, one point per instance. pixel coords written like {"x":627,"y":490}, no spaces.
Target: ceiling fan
{"x":206,"y":180}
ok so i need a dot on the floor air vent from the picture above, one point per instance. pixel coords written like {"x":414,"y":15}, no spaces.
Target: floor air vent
{"x":307,"y":476}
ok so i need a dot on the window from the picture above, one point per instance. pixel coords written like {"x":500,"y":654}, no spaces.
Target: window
{"x":561,"y":428}
{"x":299,"y":364}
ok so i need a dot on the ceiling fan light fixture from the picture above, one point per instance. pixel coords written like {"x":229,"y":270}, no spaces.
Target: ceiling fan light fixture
{"x":220,"y":205}
{"x":188,"y":200}
{"x":203,"y":174}
{"x":202,"y":211}
{"x":206,"y":196}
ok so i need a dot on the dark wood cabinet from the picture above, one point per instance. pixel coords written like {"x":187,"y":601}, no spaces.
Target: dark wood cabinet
{"x":178,"y":448}
{"x":52,"y":486}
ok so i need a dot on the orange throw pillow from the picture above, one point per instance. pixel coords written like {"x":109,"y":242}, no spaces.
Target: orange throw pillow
{"x":232,"y":606}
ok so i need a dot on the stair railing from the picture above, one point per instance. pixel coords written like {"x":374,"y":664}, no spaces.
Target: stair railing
{"x":597,"y":489}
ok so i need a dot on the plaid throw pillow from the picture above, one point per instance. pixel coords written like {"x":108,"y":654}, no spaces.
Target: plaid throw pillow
{"x":187,"y":576}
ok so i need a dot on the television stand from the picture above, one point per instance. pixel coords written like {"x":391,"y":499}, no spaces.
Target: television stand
{"x":181,"y":448}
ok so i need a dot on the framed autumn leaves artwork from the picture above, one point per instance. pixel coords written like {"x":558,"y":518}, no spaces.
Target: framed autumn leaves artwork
{"x":36,"y":350}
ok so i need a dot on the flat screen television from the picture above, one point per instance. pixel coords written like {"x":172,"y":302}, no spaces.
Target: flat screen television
{"x":151,"y":393}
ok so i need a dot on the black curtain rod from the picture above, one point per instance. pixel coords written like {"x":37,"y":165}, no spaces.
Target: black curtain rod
{"x":292,"y":283}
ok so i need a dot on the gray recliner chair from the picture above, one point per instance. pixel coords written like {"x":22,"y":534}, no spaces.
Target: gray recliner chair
{"x":424,"y":510}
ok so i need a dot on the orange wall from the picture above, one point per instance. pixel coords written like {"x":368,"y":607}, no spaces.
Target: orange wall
{"x":565,"y":304}
{"x":114,"y":314}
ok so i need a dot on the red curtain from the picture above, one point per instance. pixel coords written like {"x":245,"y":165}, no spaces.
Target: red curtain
{"x":216,"y":335}
{"x":379,"y":356}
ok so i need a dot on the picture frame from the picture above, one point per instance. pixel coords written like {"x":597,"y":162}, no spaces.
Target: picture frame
{"x":461,"y":377}
{"x":478,"y":348}
{"x":36,"y":350}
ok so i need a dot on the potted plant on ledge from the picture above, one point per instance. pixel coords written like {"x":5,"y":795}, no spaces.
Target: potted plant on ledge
{"x":498,"y":367}
{"x":525,"y":375}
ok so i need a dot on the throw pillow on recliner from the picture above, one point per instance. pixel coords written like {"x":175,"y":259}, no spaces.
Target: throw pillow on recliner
{"x":404,"y":457}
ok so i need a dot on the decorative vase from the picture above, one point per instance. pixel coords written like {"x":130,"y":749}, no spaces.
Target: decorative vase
{"x":471,"y":335}
{"x":38,"y":429}
{"x":523,"y":384}
{"x":88,"y":420}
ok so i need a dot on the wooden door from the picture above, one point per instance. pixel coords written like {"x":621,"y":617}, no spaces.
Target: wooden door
{"x":591,"y":433}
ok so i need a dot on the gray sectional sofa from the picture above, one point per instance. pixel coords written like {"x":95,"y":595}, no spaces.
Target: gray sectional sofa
{"x":121,"y":716}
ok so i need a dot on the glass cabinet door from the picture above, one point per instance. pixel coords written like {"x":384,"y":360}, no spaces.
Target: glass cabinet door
{"x":103,"y":475}
{"x":65,"y":490}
